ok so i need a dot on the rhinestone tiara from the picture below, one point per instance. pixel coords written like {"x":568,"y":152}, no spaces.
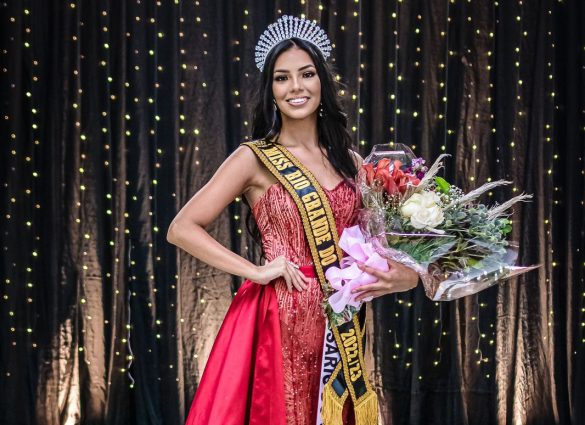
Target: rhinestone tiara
{"x":288,"y":27}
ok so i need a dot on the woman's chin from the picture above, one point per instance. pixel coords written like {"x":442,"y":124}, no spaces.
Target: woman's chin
{"x":300,"y":115}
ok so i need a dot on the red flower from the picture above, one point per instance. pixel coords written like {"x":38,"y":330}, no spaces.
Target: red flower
{"x":393,"y":182}
{"x":370,"y":172}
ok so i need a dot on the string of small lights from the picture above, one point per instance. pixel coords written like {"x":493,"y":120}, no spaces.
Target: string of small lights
{"x":360,"y":69}
{"x":442,"y":118}
{"x":395,"y":76}
{"x":580,"y":291}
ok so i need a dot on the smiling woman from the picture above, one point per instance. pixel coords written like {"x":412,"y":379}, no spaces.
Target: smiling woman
{"x":296,"y":85}
{"x":276,"y":358}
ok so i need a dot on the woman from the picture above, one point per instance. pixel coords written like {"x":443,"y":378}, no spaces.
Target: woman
{"x":265,"y":366}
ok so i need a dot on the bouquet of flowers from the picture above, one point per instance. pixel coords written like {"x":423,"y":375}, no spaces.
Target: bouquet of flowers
{"x":456,"y":244}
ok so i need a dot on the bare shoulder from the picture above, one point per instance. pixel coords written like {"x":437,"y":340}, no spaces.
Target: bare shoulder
{"x":257,"y":177}
{"x":237,"y":172}
{"x":246,"y":160}
{"x":244,"y":153}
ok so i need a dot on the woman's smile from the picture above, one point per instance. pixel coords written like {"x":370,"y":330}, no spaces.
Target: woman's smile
{"x":298,"y":101}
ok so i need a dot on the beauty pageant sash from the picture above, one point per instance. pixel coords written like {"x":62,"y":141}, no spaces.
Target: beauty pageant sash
{"x":347,"y":377}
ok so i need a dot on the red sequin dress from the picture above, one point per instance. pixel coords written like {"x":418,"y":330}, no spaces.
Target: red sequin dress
{"x":302,"y":320}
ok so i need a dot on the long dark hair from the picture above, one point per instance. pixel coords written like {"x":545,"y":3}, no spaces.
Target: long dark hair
{"x":331,"y":127}
{"x":332,"y":131}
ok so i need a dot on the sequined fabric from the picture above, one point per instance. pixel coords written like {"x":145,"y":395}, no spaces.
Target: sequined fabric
{"x":302,"y":319}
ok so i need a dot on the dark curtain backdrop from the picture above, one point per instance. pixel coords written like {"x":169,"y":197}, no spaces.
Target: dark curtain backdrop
{"x":115,"y":112}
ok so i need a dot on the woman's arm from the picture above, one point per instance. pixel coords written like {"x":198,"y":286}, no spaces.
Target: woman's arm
{"x":187,"y":230}
{"x":399,"y":278}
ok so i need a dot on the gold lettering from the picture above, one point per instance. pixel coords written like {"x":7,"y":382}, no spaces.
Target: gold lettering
{"x":291,"y":177}
{"x":324,"y":238}
{"x":355,"y":373}
{"x":301,"y":184}
{"x":349,"y":341}
{"x":320,"y":231}
{"x":351,"y":351}
{"x":308,"y":197}
{"x":277,"y":159}
{"x":345,"y":335}
{"x":314,"y":215}
{"x":353,"y":362}
{"x":273,"y":152}
{"x":310,"y":206}
{"x":329,"y":260}
{"x":319,"y":223}
{"x":327,"y":252}
{"x":283,"y":164}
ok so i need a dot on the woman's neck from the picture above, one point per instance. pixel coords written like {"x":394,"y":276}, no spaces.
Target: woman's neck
{"x":299,"y":133}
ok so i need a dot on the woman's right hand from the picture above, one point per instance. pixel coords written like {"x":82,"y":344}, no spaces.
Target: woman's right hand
{"x":281,"y":267}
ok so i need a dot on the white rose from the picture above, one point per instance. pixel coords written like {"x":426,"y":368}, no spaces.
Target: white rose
{"x":423,"y":210}
{"x":412,"y":205}
{"x":430,"y":199}
{"x":427,"y":217}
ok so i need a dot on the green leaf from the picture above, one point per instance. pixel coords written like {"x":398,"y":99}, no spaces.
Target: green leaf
{"x":442,"y":184}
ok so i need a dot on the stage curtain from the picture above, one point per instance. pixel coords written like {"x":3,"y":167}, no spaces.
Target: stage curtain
{"x":114,"y":113}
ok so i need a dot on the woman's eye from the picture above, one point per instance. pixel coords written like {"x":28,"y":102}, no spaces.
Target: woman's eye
{"x":280,"y":78}
{"x":309,"y":74}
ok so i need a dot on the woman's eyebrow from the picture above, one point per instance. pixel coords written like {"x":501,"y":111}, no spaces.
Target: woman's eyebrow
{"x":300,"y":69}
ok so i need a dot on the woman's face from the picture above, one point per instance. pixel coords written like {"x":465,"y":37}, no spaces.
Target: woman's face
{"x":295,"y":84}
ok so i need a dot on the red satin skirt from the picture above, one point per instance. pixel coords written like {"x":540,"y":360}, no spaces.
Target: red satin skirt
{"x":243,"y":380}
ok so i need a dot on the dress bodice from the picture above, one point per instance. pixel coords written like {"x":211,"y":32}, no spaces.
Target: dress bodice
{"x":280,"y":225}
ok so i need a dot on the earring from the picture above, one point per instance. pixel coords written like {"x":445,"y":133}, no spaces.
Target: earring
{"x":274,"y":113}
{"x":321,"y":111}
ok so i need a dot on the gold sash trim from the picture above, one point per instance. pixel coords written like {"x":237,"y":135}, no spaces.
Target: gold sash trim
{"x":321,"y":233}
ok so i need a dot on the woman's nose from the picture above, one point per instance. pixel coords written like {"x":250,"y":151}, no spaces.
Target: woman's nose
{"x":296,"y":83}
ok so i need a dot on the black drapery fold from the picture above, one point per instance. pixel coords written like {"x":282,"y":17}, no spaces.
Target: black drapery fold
{"x":115,"y":113}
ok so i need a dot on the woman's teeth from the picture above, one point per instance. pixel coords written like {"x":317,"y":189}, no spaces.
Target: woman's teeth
{"x":298,"y":101}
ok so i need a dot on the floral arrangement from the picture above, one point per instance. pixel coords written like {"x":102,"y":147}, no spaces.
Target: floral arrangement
{"x":456,"y":244}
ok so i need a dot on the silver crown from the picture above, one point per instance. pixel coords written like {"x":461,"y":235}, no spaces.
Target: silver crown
{"x":288,"y":27}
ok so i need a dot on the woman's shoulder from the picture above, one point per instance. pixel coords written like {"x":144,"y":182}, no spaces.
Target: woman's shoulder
{"x":246,"y":151}
{"x":245,"y":155}
{"x":244,"y":159}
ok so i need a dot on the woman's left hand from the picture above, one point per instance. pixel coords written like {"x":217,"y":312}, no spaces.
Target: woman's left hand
{"x":399,"y":278}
